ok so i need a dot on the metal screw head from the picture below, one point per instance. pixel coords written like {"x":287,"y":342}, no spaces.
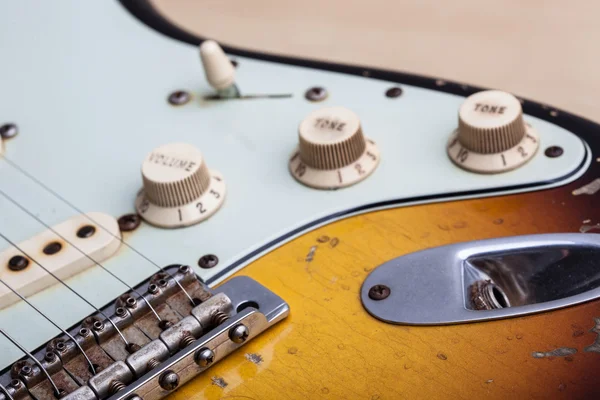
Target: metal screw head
{"x":379,"y":292}
{"x":153,"y":288}
{"x":84,"y":332}
{"x":169,"y":380}
{"x":8,"y":131}
{"x":179,"y":98}
{"x":393,"y":92}
{"x":61,"y":346}
{"x":49,"y":357}
{"x":15,"y":383}
{"x":239,"y":333}
{"x":120,"y":312}
{"x":98,"y":325}
{"x":130,"y":302}
{"x":18,"y":263}
{"x":204,"y":357}
{"x":316,"y":93}
{"x":26,"y":370}
{"x":184,"y":269}
{"x":554,"y":151}
{"x":208,"y":261}
{"x":129,"y":222}
{"x":52,"y":248}
{"x":86,"y":231}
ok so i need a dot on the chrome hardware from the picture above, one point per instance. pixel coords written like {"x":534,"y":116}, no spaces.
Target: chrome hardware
{"x":488,"y":279}
{"x":198,"y":337}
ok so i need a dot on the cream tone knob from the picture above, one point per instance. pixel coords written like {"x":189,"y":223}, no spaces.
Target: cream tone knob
{"x":492,"y":136}
{"x":179,"y":189}
{"x":333,"y":152}
{"x":219,"y":71}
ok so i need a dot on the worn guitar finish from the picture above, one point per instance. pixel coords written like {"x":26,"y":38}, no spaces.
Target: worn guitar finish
{"x":330,"y":347}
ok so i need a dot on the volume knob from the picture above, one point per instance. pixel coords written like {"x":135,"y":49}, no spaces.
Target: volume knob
{"x":333,"y":152}
{"x":492,"y":136}
{"x":179,"y":189}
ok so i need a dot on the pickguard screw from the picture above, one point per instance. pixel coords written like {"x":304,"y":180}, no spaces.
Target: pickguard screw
{"x":208,"y":261}
{"x":86,"y":231}
{"x":8,"y":131}
{"x":204,"y":357}
{"x":18,"y":263}
{"x":393,"y":92}
{"x":379,"y":292}
{"x":129,"y":222}
{"x":554,"y":151}
{"x":179,"y":98}
{"x":169,"y":380}
{"x":239,"y":333}
{"x":234,"y":63}
{"x":316,"y":93}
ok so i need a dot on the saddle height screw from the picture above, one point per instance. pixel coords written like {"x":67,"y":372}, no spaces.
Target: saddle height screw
{"x":239,"y":333}
{"x":379,"y":292}
{"x":204,"y":357}
{"x":208,"y":261}
{"x":169,"y":380}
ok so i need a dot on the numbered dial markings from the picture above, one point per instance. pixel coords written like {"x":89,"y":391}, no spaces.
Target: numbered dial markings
{"x":187,"y":214}
{"x":494,"y":162}
{"x":336,"y":178}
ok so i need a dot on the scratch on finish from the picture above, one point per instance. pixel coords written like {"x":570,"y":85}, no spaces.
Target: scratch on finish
{"x":218,"y":381}
{"x":587,"y":228}
{"x":590,"y":188}
{"x":255,"y":358}
{"x":595,"y":347}
{"x":560,"y":352}
{"x":311,"y":254}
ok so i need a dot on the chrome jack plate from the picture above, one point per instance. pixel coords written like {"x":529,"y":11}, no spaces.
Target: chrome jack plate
{"x":485,"y":280}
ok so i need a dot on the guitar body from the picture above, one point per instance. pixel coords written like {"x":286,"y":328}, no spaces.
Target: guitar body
{"x":307,"y":251}
{"x":330,"y":348}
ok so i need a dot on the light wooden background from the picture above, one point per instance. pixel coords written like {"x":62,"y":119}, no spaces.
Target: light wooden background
{"x":546,"y":50}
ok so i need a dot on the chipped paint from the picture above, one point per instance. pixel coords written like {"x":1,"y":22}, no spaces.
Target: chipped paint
{"x":311,"y":254}
{"x":560,"y":352}
{"x":218,"y":381}
{"x":587,"y":228}
{"x":590,"y":188}
{"x":323,"y":239}
{"x":594,"y":347}
{"x":334,"y":242}
{"x":255,"y":358}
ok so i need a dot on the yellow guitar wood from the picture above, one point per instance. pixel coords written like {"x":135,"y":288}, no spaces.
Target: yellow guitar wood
{"x":330,"y":347}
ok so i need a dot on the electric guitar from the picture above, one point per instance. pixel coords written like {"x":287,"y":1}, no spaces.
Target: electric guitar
{"x":180,"y":219}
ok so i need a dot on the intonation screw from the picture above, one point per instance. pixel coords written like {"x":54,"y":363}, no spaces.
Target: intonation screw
{"x":239,"y":333}
{"x":204,"y":357}
{"x":169,"y":380}
{"x":379,"y":292}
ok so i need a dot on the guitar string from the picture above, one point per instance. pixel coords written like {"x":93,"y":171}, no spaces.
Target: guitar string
{"x":67,"y":286}
{"x":53,"y":323}
{"x":5,"y":391}
{"x":57,"y":392}
{"x":58,"y":196}
{"x":81,"y":251}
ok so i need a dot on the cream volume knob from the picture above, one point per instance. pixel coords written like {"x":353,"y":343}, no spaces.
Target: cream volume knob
{"x":333,"y":152}
{"x":492,"y":136}
{"x":179,"y":189}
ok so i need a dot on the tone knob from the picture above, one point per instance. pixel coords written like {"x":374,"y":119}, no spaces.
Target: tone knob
{"x":333,"y":152}
{"x":179,"y":189}
{"x":492,"y":136}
